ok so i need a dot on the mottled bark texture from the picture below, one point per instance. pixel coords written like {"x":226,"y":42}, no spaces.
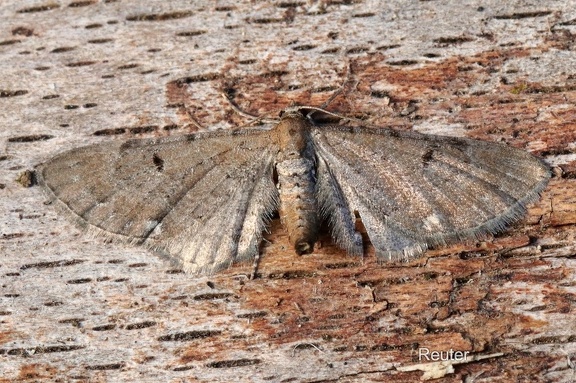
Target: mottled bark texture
{"x":73,"y":307}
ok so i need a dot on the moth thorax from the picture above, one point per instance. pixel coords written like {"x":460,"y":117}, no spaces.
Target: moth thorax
{"x":293,"y":134}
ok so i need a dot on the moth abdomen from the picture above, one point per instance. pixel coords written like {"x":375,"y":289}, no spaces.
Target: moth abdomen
{"x":298,"y":206}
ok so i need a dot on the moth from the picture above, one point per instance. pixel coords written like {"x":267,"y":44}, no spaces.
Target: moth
{"x":206,"y":198}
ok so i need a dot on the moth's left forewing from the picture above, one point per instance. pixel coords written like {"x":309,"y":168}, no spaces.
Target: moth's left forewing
{"x":414,"y":190}
{"x":203,"y":198}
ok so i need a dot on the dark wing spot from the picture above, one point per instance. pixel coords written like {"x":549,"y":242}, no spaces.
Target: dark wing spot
{"x":427,"y":157}
{"x":394,"y":134}
{"x":158,"y":162}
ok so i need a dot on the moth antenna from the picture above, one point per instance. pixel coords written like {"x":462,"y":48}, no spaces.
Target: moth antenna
{"x":255,"y":119}
{"x":342,"y":87}
{"x":194,"y":121}
{"x":339,"y":91}
{"x":317,"y":109}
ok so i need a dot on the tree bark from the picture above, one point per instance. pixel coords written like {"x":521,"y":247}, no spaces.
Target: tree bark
{"x":76,"y":308}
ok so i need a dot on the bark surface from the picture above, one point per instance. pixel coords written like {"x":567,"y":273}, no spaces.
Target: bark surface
{"x":75,"y":308}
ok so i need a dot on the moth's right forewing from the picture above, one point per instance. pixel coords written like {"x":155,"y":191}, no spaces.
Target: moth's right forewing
{"x":414,"y":190}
